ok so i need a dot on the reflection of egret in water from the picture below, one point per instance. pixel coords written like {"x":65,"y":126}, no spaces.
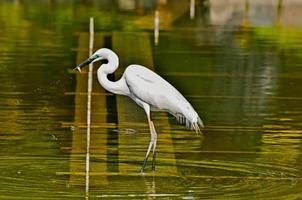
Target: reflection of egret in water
{"x":148,"y":90}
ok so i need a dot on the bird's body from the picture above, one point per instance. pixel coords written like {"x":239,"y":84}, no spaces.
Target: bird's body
{"x":148,"y":90}
{"x":147,"y":86}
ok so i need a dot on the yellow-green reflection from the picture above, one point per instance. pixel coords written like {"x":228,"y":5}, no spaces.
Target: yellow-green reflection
{"x":237,"y":62}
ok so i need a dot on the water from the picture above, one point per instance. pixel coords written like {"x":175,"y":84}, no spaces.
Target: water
{"x":238,"y":64}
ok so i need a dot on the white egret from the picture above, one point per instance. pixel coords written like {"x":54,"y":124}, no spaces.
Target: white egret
{"x":148,"y":90}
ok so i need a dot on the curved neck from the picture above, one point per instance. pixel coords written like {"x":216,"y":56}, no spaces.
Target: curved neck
{"x":117,"y":87}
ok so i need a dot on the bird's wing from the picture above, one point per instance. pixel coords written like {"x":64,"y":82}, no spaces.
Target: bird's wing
{"x":149,"y":87}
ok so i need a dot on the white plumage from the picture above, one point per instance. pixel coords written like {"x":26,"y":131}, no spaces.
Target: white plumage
{"x":149,"y":87}
{"x":148,"y":90}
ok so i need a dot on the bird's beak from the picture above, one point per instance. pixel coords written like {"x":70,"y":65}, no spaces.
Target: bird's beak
{"x":83,"y":64}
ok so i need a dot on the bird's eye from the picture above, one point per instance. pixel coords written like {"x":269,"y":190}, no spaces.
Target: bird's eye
{"x":95,"y":56}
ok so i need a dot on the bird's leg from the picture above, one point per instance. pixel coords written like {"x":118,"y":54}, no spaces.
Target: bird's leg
{"x":154,"y":136}
{"x":147,"y":155}
{"x":152,"y":143}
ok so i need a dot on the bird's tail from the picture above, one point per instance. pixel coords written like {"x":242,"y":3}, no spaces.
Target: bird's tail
{"x":195,"y":124}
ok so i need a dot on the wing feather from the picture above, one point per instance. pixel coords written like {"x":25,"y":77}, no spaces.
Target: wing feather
{"x":149,"y":87}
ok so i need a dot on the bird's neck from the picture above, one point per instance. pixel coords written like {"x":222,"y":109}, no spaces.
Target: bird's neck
{"x":116,"y":87}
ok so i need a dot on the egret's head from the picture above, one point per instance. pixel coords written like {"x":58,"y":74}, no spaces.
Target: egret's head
{"x":101,"y":54}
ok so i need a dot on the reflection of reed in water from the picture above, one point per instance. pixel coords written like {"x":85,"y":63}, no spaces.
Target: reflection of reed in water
{"x":129,"y":114}
{"x":98,"y":117}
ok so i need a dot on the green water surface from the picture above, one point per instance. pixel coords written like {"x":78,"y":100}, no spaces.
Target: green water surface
{"x":239,"y":64}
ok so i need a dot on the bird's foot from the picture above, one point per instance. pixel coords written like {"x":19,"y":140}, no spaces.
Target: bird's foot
{"x":144,"y":165}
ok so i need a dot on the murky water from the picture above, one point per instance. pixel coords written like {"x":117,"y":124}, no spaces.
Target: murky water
{"x":239,"y":64}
